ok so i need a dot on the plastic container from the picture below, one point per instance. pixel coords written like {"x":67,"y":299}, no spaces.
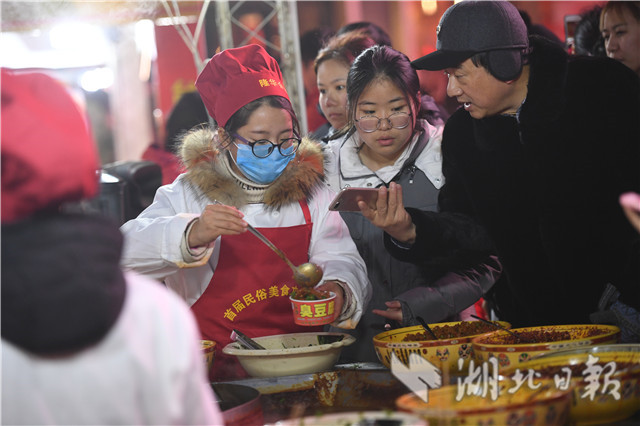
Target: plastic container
{"x":314,"y":312}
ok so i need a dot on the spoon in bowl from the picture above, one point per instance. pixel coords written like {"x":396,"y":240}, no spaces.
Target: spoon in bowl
{"x":307,"y":275}
{"x":426,"y":327}
{"x":500,"y":327}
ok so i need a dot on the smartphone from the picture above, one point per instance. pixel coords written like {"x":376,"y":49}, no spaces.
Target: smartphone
{"x":570,"y":24}
{"x":347,"y":199}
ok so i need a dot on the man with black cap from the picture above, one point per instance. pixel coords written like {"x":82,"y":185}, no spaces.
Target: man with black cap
{"x":538,"y":154}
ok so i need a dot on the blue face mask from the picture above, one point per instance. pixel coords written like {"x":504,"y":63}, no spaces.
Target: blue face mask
{"x":261,"y":170}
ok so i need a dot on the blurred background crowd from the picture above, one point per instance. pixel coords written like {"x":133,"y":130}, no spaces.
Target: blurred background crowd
{"x":129,"y":62}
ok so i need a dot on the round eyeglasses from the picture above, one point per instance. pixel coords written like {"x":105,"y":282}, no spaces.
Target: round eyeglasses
{"x":371,"y":123}
{"x":264,"y":147}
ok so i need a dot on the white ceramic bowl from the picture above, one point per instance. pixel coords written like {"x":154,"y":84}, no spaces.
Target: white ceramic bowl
{"x":289,"y":354}
{"x":392,"y":418}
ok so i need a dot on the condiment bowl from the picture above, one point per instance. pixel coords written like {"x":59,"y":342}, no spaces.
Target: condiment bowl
{"x":604,"y":380}
{"x":290,"y":354}
{"x":443,"y":353}
{"x":208,"y":352}
{"x":240,"y":405}
{"x":456,"y":405}
{"x":540,"y":340}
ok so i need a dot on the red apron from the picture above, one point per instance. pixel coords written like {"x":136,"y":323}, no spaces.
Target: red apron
{"x":250,"y":290}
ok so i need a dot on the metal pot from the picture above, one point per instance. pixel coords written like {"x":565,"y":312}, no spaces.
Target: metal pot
{"x":240,"y":405}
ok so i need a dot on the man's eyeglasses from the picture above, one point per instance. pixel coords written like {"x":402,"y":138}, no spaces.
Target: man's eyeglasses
{"x":371,"y":123}
{"x":264,"y":147}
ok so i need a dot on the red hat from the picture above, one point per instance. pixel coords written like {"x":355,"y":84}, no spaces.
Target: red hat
{"x":48,"y":154}
{"x":235,"y":77}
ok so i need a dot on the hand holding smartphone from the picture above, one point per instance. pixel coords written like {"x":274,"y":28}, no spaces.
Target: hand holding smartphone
{"x":347,"y":199}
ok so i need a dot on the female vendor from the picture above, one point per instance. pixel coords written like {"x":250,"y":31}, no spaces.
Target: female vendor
{"x":255,"y":165}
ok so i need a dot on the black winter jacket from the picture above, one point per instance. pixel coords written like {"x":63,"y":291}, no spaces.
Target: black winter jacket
{"x":546,"y":186}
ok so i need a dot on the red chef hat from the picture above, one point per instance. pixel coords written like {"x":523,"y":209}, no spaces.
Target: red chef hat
{"x":235,"y":77}
{"x":48,"y":154}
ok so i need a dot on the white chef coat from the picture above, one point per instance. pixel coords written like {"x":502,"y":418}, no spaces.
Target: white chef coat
{"x":152,"y":242}
{"x":148,"y":369}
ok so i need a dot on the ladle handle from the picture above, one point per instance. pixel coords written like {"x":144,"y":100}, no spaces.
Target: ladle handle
{"x":264,"y":239}
{"x":499,"y":327}
{"x":427,"y":328}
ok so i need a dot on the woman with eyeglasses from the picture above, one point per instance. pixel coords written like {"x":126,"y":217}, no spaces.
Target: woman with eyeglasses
{"x":387,"y":144}
{"x":252,"y":168}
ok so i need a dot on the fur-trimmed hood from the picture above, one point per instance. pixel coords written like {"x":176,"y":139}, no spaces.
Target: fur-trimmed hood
{"x":201,"y":151}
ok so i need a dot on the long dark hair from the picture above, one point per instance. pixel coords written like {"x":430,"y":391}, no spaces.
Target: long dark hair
{"x":376,"y":63}
{"x":344,"y":48}
{"x":241,"y":116}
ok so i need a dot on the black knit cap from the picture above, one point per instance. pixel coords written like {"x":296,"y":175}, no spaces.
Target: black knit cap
{"x":471,"y":27}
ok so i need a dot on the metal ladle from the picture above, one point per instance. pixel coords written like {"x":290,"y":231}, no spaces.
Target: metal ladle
{"x":307,"y":275}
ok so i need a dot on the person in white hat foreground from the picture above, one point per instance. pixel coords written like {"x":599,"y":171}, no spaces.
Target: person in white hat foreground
{"x":82,"y":342}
